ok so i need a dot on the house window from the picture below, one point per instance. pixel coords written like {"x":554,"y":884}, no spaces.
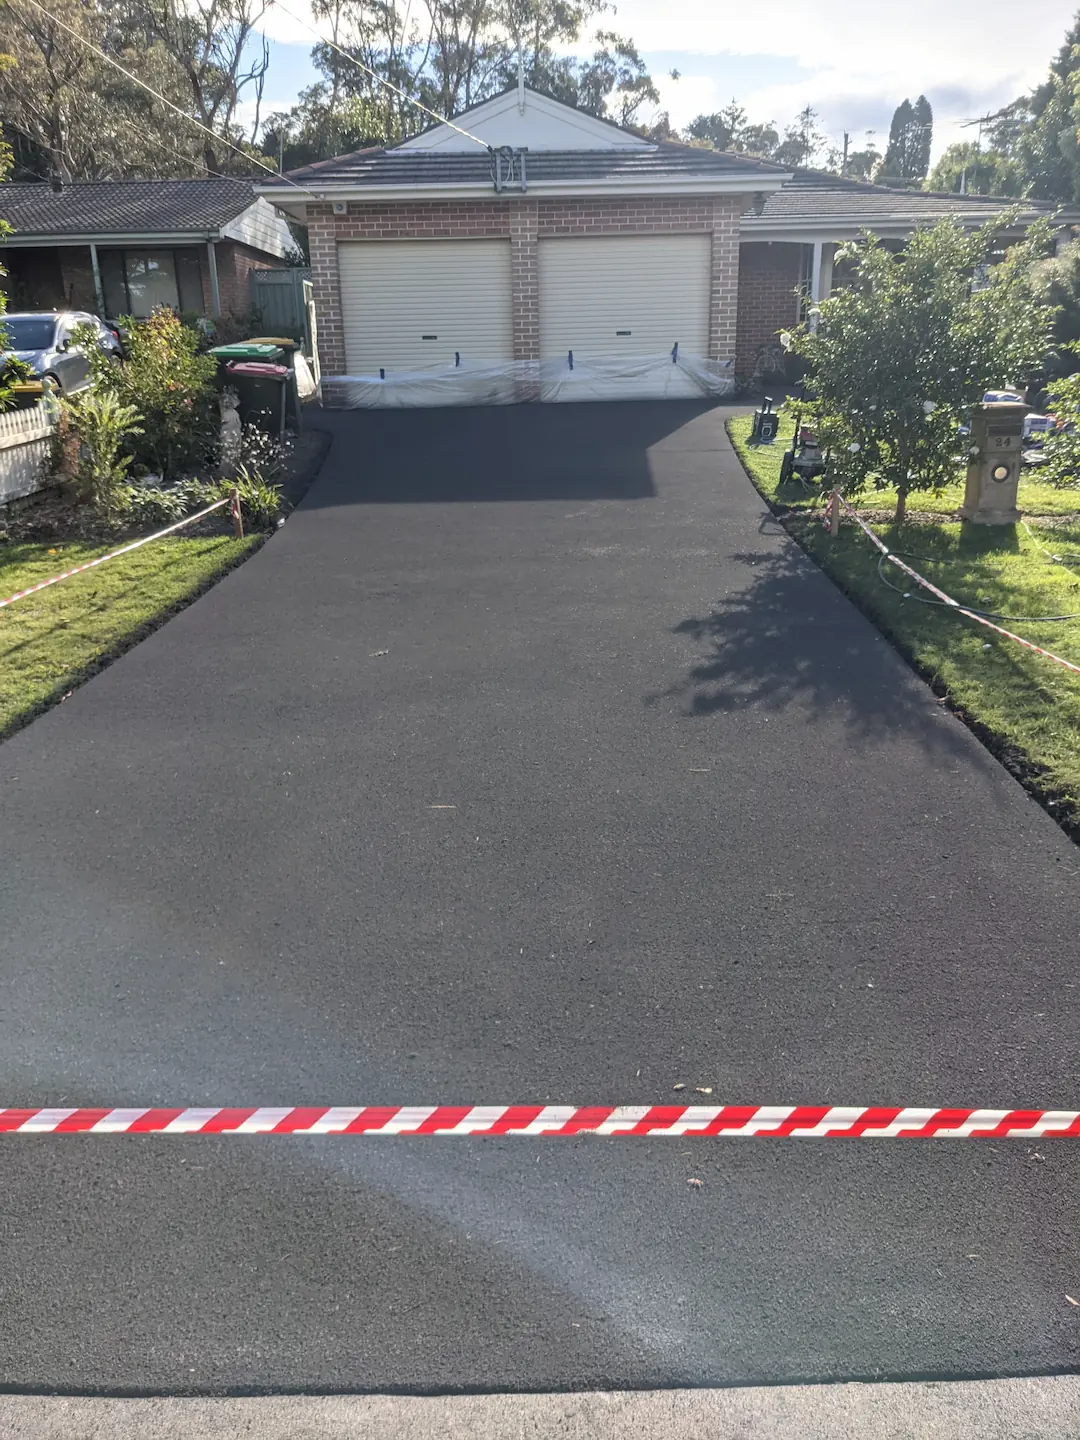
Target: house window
{"x":137,"y":281}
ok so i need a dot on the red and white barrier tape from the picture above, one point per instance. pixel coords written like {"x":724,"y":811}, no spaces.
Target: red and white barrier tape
{"x":113,"y":554}
{"x":792,"y":1121}
{"x":947,"y":599}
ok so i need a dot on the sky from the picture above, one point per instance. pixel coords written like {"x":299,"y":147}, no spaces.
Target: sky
{"x":853,"y":60}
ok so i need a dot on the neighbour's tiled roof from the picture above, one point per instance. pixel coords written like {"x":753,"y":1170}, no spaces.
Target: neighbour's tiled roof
{"x":124,"y":207}
{"x":814,"y":197}
{"x":473,"y":167}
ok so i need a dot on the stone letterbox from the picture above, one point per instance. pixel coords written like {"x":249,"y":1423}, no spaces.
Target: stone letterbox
{"x":997,"y":438}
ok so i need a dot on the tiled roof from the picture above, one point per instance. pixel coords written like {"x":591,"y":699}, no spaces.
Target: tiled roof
{"x":124,"y":207}
{"x":814,"y":197}
{"x":440,"y":167}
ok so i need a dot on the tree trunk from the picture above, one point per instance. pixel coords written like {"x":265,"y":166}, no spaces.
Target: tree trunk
{"x":901,"y":504}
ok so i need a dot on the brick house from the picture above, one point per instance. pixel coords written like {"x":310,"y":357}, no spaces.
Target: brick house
{"x":120,"y":247}
{"x":559,"y":257}
{"x":529,"y":250}
{"x":787,"y":253}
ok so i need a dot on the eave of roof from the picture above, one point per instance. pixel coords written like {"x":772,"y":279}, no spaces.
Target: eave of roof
{"x":108,"y":210}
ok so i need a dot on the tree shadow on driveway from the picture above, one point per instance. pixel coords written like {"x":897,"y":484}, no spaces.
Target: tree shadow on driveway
{"x":788,"y":640}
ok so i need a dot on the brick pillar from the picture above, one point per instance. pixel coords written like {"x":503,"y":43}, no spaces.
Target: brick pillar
{"x":525,"y":293}
{"x":322,"y":240}
{"x":724,"y":288}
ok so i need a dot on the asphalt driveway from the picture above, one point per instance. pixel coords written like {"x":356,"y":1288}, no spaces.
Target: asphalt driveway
{"x":529,"y":762}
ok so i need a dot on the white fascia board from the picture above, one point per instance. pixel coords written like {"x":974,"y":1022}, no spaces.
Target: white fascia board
{"x":896,"y":227}
{"x":700,"y":185}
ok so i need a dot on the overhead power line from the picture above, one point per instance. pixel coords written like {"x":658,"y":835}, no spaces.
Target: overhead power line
{"x":219,"y":139}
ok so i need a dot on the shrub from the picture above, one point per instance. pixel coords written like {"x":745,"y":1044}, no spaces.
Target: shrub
{"x":146,"y":505}
{"x":171,"y":385}
{"x":258,"y":476}
{"x":103,"y":426}
{"x":1062,"y":446}
{"x":260,"y":499}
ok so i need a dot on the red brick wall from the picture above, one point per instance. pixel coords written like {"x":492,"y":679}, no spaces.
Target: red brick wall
{"x":525,"y":280}
{"x":524,"y":221}
{"x":233,"y":282}
{"x":767,"y":301}
{"x":234,"y":263}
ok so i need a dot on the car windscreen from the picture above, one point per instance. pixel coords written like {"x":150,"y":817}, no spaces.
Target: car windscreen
{"x":27,"y":332}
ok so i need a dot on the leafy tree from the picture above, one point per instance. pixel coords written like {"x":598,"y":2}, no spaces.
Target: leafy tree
{"x":863,"y":164}
{"x":69,"y":113}
{"x":1061,"y":449}
{"x":1057,"y":283}
{"x":464,"y":52}
{"x":49,"y":93}
{"x":802,"y":140}
{"x":899,"y":356}
{"x":319,"y":126}
{"x":615,"y":82}
{"x":720,"y":129}
{"x":907,"y":157}
{"x":977,"y":171}
{"x":218,"y":56}
{"x":757,"y":140}
{"x":729,"y":129}
{"x":1044,"y":126}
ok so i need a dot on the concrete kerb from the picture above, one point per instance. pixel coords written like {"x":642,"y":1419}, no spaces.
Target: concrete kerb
{"x":1043,"y":1408}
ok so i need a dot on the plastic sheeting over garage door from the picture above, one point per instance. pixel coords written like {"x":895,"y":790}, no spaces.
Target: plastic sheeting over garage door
{"x":412,"y":304}
{"x":628,"y":299}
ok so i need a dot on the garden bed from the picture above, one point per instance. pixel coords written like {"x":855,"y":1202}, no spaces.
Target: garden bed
{"x":1025,"y":708}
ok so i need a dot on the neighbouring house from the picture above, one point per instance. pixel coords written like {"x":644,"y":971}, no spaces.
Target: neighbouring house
{"x":120,"y":247}
{"x":529,"y":250}
{"x":788,"y":250}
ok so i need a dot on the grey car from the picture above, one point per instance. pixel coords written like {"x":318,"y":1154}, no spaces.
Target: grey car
{"x":43,"y":339}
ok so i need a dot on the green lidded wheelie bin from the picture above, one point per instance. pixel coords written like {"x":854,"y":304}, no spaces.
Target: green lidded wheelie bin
{"x":258,"y":375}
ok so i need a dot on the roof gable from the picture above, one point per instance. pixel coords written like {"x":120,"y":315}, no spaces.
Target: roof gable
{"x":525,"y":119}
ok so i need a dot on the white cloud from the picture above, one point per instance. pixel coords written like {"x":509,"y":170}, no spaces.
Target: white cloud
{"x":923,"y":41}
{"x":688,"y":96}
{"x":277,"y":25}
{"x":967,"y":56}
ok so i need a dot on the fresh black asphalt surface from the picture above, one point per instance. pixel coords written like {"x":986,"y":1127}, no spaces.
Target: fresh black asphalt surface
{"x":707,"y":830}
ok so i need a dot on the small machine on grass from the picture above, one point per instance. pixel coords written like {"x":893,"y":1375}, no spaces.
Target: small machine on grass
{"x":766,"y":424}
{"x":803,"y":461}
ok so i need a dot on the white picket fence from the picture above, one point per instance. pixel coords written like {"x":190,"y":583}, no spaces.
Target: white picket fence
{"x":24,"y":448}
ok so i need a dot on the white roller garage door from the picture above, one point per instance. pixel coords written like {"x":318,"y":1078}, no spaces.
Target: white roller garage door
{"x":622,"y":297}
{"x":411,"y":304}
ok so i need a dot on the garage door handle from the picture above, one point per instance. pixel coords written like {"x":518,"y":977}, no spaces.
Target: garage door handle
{"x":622,"y":332}
{"x":429,"y":337}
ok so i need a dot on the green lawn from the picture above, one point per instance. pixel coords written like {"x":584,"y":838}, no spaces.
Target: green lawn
{"x":52,"y":641}
{"x":1024,"y":701}
{"x":1035,"y":498}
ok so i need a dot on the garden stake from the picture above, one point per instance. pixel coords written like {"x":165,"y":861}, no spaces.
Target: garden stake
{"x":834,"y":514}
{"x":238,"y":522}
